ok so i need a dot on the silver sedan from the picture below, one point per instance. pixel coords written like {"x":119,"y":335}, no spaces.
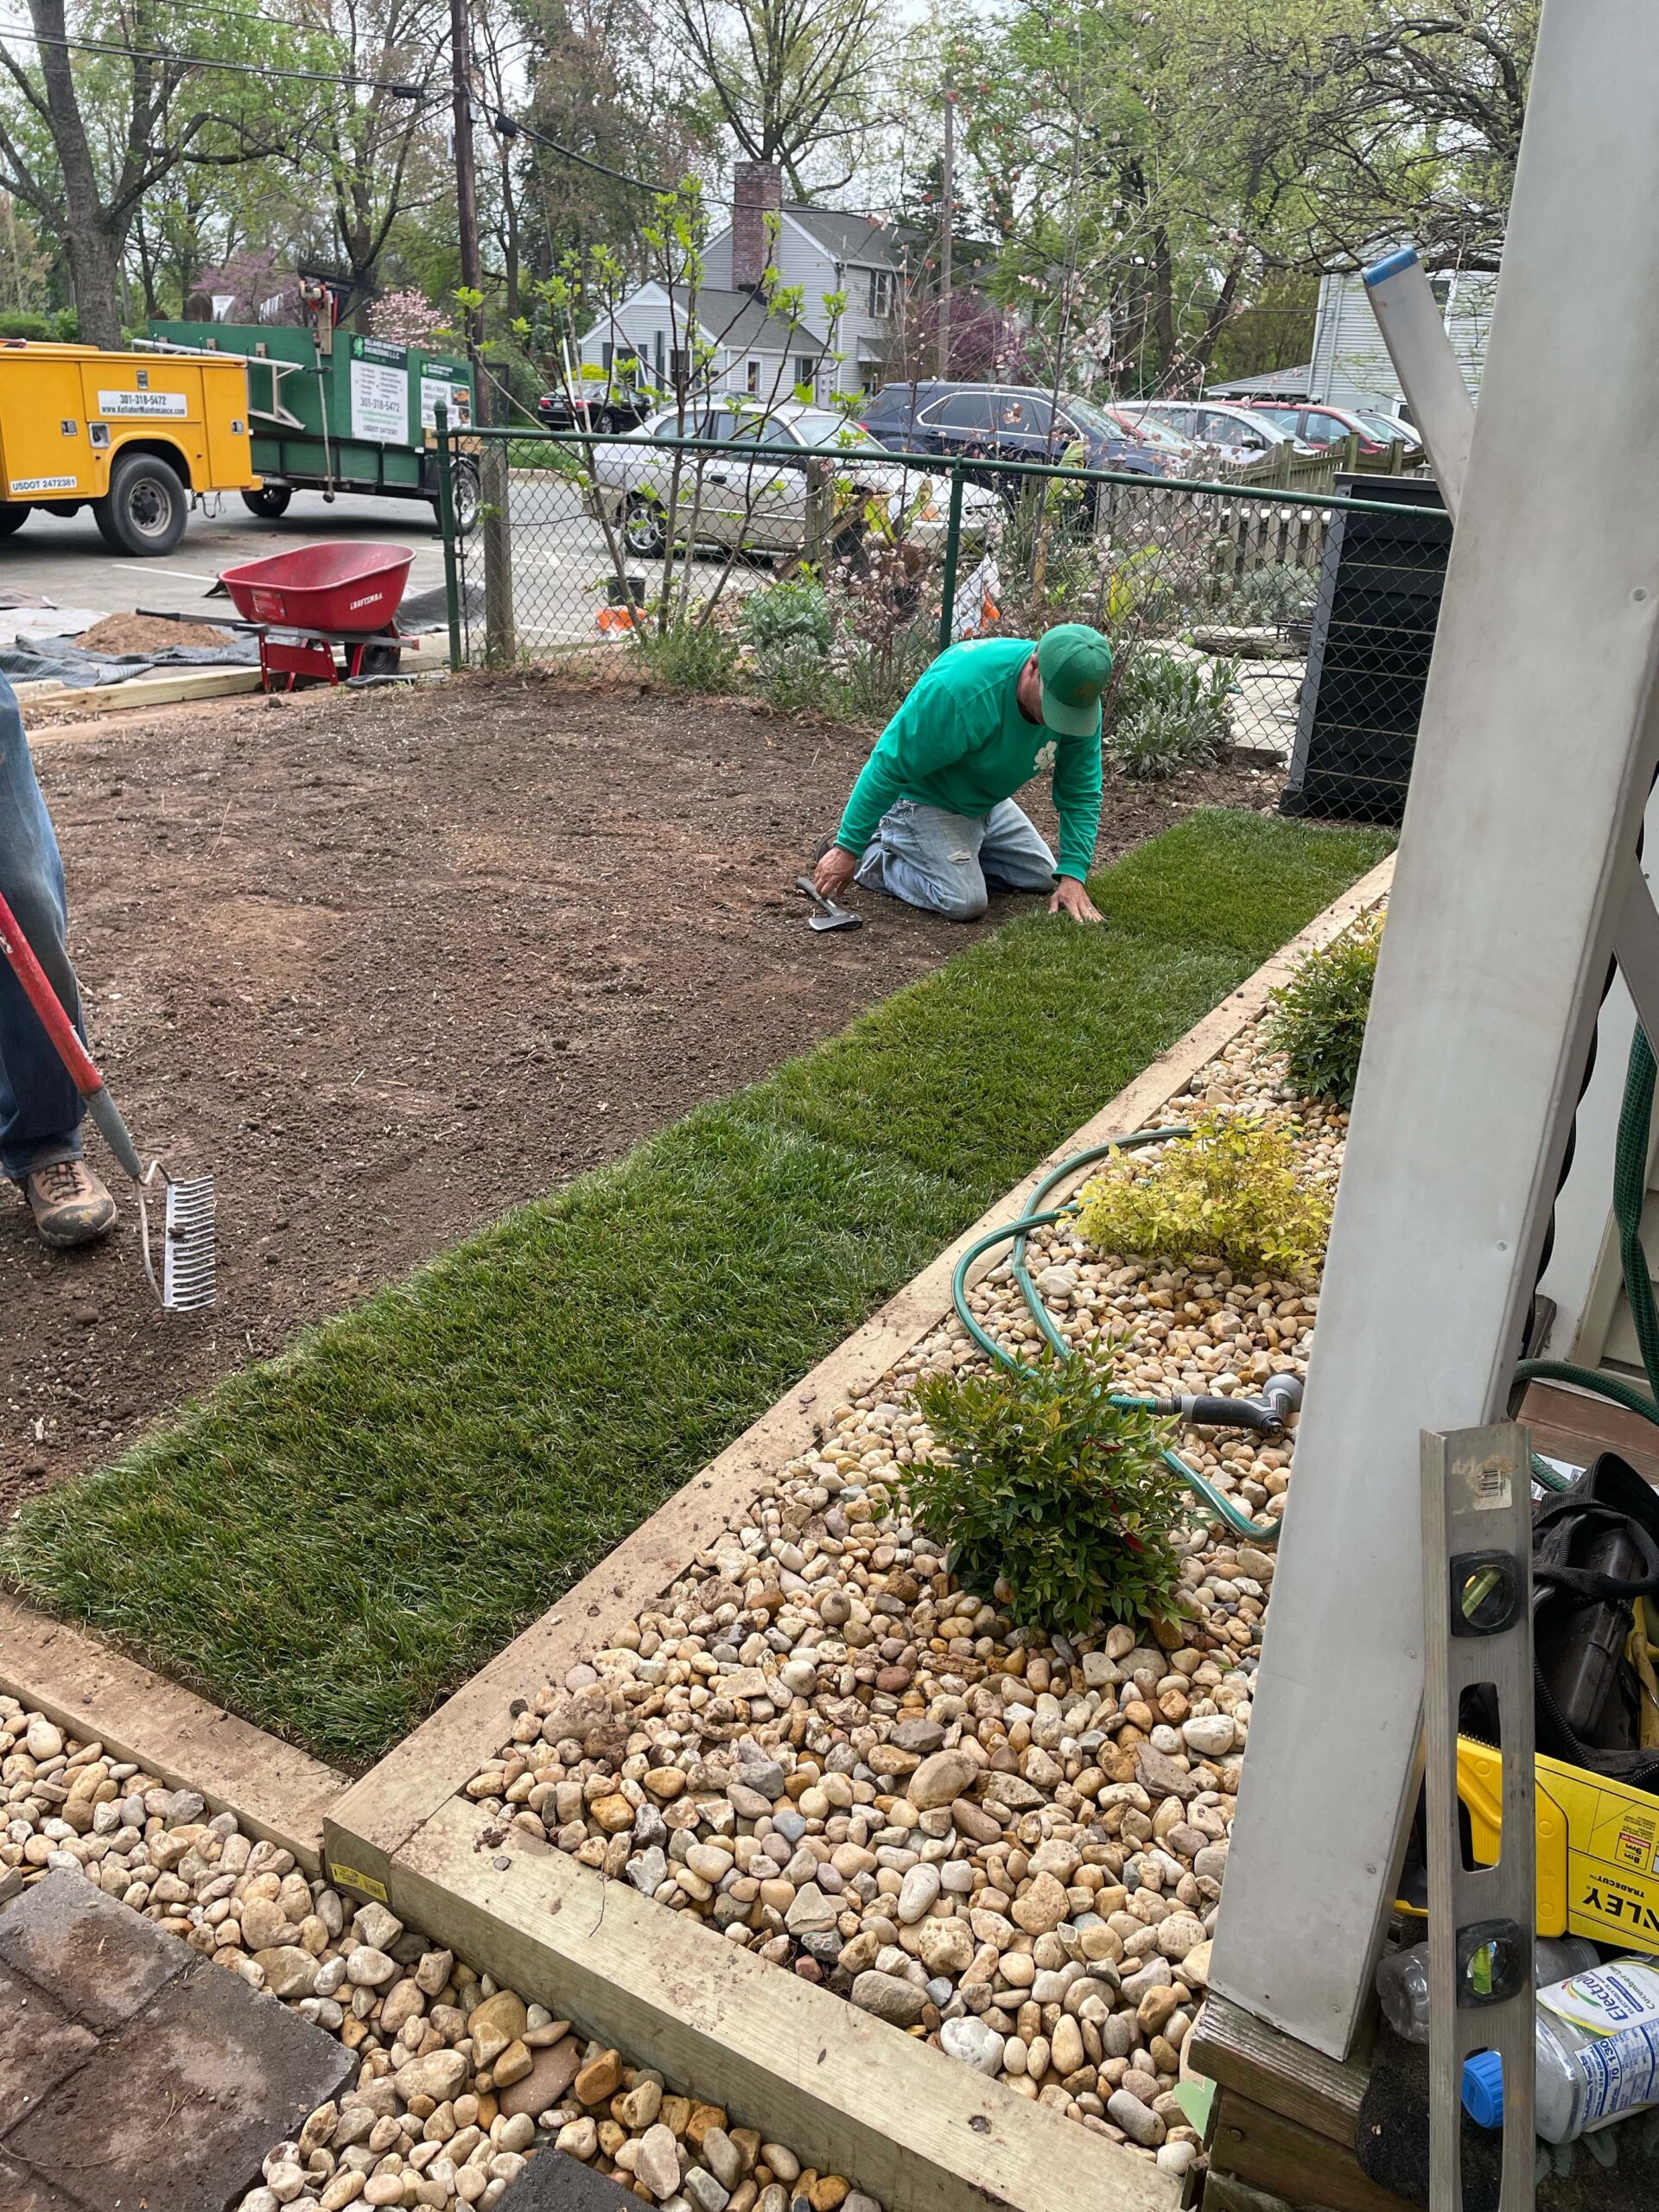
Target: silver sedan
{"x":761,"y":505}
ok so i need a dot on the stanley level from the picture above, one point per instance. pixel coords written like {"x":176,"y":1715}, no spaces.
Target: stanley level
{"x":1597,"y":1847}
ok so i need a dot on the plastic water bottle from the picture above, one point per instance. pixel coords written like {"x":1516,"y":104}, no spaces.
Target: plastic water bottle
{"x":1402,"y":1979}
{"x":1598,"y":2045}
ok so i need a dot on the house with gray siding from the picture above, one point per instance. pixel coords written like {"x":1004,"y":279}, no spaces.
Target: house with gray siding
{"x":824,"y":252}
{"x":1350,"y":365}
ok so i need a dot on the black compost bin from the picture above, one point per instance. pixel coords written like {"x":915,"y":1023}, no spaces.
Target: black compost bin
{"x":1373,"y":631}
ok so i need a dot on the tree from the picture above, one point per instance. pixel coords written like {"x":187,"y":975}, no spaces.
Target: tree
{"x":1420,"y":129}
{"x":85,"y":136}
{"x":788,"y":79}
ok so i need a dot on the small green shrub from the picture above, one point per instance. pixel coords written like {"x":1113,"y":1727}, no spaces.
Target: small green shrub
{"x":1317,"y":1018}
{"x":690,"y":655}
{"x":1169,"y":715}
{"x":880,"y":673}
{"x":1052,"y":1489}
{"x":785,"y":617}
{"x":1228,"y":1191}
{"x":1273,"y":595}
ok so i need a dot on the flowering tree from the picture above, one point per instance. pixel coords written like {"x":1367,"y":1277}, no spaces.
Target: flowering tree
{"x":406,"y":318}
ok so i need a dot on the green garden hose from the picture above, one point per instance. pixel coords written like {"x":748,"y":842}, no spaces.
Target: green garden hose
{"x":1629,"y":1194}
{"x":1017,"y":1233}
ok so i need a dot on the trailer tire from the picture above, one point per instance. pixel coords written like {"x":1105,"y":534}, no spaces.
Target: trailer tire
{"x":14,"y":513}
{"x":464,"y":491}
{"x":144,"y":511}
{"x":269,"y":501}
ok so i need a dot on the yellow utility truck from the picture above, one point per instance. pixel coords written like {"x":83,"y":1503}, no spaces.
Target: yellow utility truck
{"x":131,"y":436}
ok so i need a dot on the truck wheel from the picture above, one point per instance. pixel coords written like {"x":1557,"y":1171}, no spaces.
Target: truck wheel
{"x":144,"y":509}
{"x":270,"y":501}
{"x":14,"y":513}
{"x":465,"y":492}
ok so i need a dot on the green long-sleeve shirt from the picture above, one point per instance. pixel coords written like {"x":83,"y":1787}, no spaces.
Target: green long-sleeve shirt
{"x":960,"y":742}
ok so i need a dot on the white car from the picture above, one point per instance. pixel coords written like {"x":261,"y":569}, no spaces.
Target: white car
{"x":1235,"y":435}
{"x":725,"y":499}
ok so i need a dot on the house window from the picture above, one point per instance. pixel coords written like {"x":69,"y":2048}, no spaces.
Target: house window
{"x":753,"y":377}
{"x":806,"y":369}
{"x":679,"y":366}
{"x":880,"y":291}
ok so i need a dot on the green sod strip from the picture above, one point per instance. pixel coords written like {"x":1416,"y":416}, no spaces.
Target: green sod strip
{"x":333,"y":1541}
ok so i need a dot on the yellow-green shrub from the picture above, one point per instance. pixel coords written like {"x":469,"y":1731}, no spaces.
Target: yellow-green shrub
{"x":1230,"y":1190}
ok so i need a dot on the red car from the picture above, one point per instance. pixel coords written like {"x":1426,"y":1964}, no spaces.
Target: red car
{"x":1318,"y":423}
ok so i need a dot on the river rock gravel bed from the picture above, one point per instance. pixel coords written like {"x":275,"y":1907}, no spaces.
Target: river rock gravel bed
{"x":1008,"y":1845}
{"x":461,"y":2081}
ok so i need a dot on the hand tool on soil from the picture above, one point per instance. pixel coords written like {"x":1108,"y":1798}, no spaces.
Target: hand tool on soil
{"x":828,"y":916}
{"x":189,"y":1248}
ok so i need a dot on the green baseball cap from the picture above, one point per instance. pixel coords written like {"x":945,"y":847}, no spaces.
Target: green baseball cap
{"x":1075,"y":663}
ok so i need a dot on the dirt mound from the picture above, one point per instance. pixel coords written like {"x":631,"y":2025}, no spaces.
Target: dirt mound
{"x":142,"y":634}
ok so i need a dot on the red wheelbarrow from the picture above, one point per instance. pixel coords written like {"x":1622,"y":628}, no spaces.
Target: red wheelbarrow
{"x":302,"y":605}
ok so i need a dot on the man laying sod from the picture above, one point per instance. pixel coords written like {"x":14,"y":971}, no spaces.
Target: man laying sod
{"x":931,"y":819}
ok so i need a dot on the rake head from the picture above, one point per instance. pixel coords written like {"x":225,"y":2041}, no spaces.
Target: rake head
{"x":189,"y":1245}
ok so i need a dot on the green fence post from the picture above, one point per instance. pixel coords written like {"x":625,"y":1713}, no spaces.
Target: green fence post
{"x":952,"y":550}
{"x":446,"y":529}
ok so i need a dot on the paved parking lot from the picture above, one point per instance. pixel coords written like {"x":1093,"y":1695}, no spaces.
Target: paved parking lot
{"x":560,"y":562}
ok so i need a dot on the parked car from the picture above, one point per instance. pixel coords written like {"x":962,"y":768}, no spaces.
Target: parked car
{"x":1318,"y":423}
{"x":601,"y":411}
{"x":761,"y":504}
{"x":1235,"y":435}
{"x":1176,"y":451}
{"x":1005,"y":421}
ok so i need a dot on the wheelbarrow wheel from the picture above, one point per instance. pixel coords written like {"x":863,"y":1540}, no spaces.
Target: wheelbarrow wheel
{"x":269,"y":501}
{"x":143,"y":510}
{"x":380,"y":660}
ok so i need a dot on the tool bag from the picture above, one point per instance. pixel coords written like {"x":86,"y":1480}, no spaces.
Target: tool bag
{"x":1595,"y":1604}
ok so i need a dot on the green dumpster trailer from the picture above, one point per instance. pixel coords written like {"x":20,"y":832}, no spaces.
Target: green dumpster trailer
{"x":358,"y":416}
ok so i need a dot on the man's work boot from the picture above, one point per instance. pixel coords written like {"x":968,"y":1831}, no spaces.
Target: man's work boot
{"x":69,"y":1202}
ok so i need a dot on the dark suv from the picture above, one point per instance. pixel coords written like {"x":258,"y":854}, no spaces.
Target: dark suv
{"x":1003,"y":422}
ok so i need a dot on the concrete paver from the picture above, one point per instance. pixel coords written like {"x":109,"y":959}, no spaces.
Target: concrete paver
{"x":98,"y":1961}
{"x":553,"y":2182}
{"x":170,"y":2084}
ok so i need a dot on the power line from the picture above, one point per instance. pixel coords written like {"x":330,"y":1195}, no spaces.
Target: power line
{"x":399,"y":90}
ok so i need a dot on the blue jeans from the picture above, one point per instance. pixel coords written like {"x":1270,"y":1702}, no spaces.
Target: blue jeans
{"x":944,"y":862}
{"x":40,"y":1108}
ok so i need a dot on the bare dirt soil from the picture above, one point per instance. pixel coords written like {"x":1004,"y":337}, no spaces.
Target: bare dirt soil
{"x":391,"y":962}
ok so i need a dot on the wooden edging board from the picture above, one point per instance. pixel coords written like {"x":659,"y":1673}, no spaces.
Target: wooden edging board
{"x":847,"y":2091}
{"x":99,"y":1696}
{"x":379,"y":1814}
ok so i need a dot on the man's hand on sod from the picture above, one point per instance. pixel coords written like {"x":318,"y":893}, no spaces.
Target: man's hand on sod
{"x":1070,"y":898}
{"x":834,"y":871}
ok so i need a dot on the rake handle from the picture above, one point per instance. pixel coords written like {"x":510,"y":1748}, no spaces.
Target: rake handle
{"x":83,"y":1073}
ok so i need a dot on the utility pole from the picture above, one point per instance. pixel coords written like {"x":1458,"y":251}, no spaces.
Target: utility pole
{"x":948,"y":219}
{"x":461,"y":68}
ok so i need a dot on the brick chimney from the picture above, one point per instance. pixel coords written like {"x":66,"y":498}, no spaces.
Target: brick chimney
{"x":757,"y":192}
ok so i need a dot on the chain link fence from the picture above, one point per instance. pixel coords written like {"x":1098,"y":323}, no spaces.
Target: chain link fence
{"x":1293,"y":629}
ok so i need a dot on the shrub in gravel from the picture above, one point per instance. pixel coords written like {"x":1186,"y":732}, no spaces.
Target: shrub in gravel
{"x":1230,"y":1192}
{"x":1317,"y":1018}
{"x":1049,"y":1493}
